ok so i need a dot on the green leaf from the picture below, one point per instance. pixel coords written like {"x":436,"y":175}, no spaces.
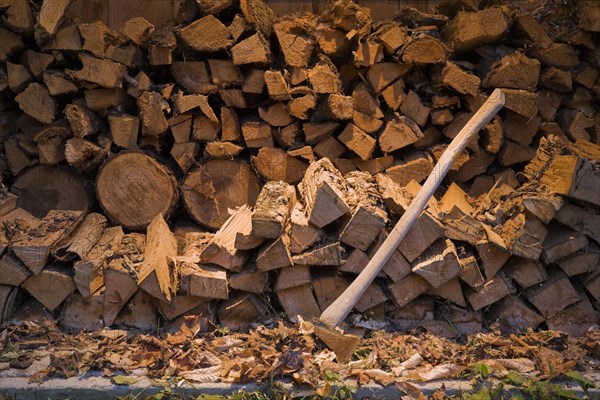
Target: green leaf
{"x":124,"y":380}
{"x":331,"y":376}
{"x":211,"y":397}
{"x":515,"y":378}
{"x":580,"y":379}
{"x":567,"y":394}
{"x":482,"y":369}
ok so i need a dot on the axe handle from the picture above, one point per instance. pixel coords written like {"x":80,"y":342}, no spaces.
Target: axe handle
{"x":340,"y":308}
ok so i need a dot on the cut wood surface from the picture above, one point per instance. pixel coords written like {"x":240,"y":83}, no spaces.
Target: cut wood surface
{"x":296,"y":143}
{"x":133,"y":187}
{"x":211,"y":188}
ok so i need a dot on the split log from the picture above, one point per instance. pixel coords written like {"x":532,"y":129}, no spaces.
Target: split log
{"x":398,"y":133}
{"x":323,"y":77}
{"x":426,"y":230}
{"x":185,"y":154}
{"x":254,"y":82}
{"x":7,"y":299}
{"x":181,"y":127}
{"x":12,"y":271}
{"x":253,"y":50}
{"x":397,"y":267}
{"x":469,"y":30}
{"x":553,"y":295}
{"x":89,"y":272}
{"x":204,"y":130}
{"x":158,"y":275}
{"x":452,"y":291}
{"x":438,"y":264}
{"x":457,"y":219}
{"x":102,"y":72}
{"x":257,"y":134}
{"x":424,"y":49}
{"x":51,"y":143}
{"x":513,"y":315}
{"x":582,"y":262}
{"x":84,"y":237}
{"x":100,"y":100}
{"x":8,"y":202}
{"x":417,"y":166}
{"x":274,"y":254}
{"x":323,"y":255}
{"x":525,"y":273}
{"x":334,"y":43}
{"x":339,"y":107}
{"x":324,"y":192}
{"x":413,"y":108}
{"x":367,"y":54}
{"x":51,"y":286}
{"x":524,"y":236}
{"x":492,"y":252}
{"x":83,"y":313}
{"x":302,"y":234}
{"x":561,"y":242}
{"x":382,"y":75}
{"x":543,"y":205}
{"x":461,"y":81}
{"x":568,"y":175}
{"x":492,"y":291}
{"x":251,"y":280}
{"x":299,"y":300}
{"x":193,"y":76}
{"x":575,"y":320}
{"x":50,"y":16}
{"x":275,"y":115}
{"x":221,"y":249}
{"x":206,"y":34}
{"x":583,"y":220}
{"x":120,"y":275}
{"x":362,"y":225}
{"x":33,"y":244}
{"x":327,"y":288}
{"x":139,"y":313}
{"x":135,"y":175}
{"x":293,"y":276}
{"x":241,"y":309}
{"x":124,"y":130}
{"x":408,"y":289}
{"x":296,"y":44}
{"x":330,"y":148}
{"x":138,"y":30}
{"x":514,"y":71}
{"x":18,"y":77}
{"x":358,"y":141}
{"x":272,"y":210}
{"x":203,"y":281}
{"x":152,"y":118}
{"x":36,"y":102}
{"x":213,"y":187}
{"x":470,"y":272}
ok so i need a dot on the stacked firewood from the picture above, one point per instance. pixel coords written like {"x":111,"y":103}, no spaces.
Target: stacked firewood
{"x":231,"y":165}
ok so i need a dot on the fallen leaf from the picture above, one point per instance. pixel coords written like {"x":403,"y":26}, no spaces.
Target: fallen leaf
{"x":442,"y":371}
{"x":202,"y":375}
{"x":124,"y":380}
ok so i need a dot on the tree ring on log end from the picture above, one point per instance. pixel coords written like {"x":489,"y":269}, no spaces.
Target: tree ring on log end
{"x":42,"y":188}
{"x":133,"y":188}
{"x":213,"y":187}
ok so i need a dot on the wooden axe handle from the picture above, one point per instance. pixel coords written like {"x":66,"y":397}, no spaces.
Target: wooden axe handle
{"x":340,"y":308}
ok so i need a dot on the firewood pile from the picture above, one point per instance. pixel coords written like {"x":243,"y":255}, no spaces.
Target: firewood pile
{"x":234,"y":165}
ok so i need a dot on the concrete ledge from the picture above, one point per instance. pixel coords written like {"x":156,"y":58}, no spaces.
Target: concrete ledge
{"x":101,"y":388}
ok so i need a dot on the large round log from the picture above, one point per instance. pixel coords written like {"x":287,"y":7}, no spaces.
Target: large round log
{"x":133,"y":188}
{"x":211,"y":188}
{"x":43,"y":188}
